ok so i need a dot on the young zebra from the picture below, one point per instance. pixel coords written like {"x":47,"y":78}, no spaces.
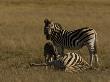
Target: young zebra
{"x":70,"y":62}
{"x":50,"y":52}
{"x":76,"y":39}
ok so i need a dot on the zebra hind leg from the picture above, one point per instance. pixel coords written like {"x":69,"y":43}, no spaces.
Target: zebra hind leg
{"x":91,"y":60}
{"x":96,"y":57}
{"x":93,"y":54}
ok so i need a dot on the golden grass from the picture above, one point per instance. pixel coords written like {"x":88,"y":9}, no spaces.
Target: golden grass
{"x":22,"y":38}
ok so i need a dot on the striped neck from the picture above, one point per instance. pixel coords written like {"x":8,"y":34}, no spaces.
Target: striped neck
{"x":56,"y":37}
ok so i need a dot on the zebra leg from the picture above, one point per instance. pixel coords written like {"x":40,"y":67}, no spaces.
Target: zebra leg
{"x":96,"y":60}
{"x":91,"y":59}
{"x":48,"y":59}
{"x":55,"y":53}
{"x":96,"y":56}
{"x":91,"y":53}
{"x":45,"y":62}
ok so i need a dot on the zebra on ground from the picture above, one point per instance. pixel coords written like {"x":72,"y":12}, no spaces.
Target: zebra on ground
{"x":76,"y":39}
{"x":70,"y":62}
{"x":50,"y":52}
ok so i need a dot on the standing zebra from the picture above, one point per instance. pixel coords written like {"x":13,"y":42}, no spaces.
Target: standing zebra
{"x":76,"y":39}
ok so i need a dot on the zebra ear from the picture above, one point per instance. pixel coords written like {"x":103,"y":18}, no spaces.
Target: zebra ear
{"x":47,"y":21}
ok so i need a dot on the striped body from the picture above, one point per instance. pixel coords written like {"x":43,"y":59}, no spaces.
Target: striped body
{"x":76,"y":39}
{"x":70,"y":62}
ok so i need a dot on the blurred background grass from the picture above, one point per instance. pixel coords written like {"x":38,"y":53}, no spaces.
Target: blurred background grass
{"x":22,"y":38}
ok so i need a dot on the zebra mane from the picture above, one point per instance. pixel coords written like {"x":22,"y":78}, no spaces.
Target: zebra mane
{"x":59,"y":25}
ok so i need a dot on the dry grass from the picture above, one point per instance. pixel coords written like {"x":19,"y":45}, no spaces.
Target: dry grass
{"x":22,"y":39}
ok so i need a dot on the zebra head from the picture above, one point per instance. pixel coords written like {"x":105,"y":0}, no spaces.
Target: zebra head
{"x":51,"y":27}
{"x":47,"y":29}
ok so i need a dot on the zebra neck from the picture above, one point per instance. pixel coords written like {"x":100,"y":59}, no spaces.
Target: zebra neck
{"x":56,"y":37}
{"x":57,"y":34}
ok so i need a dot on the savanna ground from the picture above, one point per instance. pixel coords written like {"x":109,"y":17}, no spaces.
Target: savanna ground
{"x":22,"y":38}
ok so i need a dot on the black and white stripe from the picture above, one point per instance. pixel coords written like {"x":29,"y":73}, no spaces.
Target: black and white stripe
{"x":75,"y":39}
{"x":70,"y":62}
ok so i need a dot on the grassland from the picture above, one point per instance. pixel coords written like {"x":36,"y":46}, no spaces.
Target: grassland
{"x":22,"y":38}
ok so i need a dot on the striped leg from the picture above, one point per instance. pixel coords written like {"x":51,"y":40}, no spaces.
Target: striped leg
{"x":93,"y":53}
{"x":96,"y":56}
{"x":96,"y":60}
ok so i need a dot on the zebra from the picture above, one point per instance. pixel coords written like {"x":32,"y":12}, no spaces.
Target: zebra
{"x":70,"y":62}
{"x":75,"y":39}
{"x":50,"y":52}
